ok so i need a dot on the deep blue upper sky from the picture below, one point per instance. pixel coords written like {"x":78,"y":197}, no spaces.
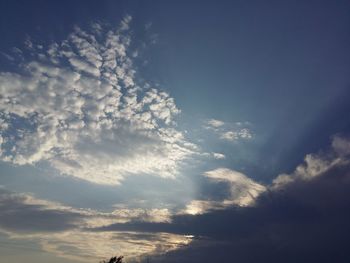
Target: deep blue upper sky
{"x":260,"y":84}
{"x":282,"y":66}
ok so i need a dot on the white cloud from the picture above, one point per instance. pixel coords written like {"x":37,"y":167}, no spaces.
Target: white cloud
{"x":78,"y":107}
{"x":230,"y":136}
{"x":67,"y":232}
{"x":215,"y":123}
{"x":81,"y":66}
{"x":229,"y":131}
{"x":197,"y":207}
{"x":244,"y":190}
{"x":235,"y":135}
{"x":19,"y":208}
{"x":94,"y":246}
{"x":341,"y":145}
{"x":316,"y":164}
{"x":219,"y":156}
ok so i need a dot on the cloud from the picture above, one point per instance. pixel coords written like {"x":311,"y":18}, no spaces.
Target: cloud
{"x":219,"y":156}
{"x":22,"y":213}
{"x":235,"y":135}
{"x":317,"y":164}
{"x":229,"y":131}
{"x":215,"y":123}
{"x":341,"y":145}
{"x":66,"y":231}
{"x":94,"y":246}
{"x":244,"y":190}
{"x":25,"y":213}
{"x":78,"y":106}
{"x":197,"y":207}
{"x":307,"y":220}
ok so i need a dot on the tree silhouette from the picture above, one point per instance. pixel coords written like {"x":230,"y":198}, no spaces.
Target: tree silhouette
{"x":114,"y":260}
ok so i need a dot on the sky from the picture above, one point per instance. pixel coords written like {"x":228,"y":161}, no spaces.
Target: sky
{"x":174,"y":131}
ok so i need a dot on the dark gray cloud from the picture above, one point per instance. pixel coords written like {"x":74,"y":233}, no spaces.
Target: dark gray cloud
{"x":307,"y":220}
{"x":300,"y":217}
{"x":22,"y":213}
{"x":63,"y":230}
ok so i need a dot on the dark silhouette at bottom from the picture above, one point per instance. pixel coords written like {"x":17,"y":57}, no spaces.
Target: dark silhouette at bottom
{"x":114,"y":260}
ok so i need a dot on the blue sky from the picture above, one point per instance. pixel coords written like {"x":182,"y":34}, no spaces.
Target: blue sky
{"x":146,"y":128}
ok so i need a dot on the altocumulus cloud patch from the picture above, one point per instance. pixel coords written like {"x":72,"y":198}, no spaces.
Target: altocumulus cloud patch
{"x":78,"y":106}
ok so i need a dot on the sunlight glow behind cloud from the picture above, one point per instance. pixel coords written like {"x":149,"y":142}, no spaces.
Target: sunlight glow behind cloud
{"x":67,"y":231}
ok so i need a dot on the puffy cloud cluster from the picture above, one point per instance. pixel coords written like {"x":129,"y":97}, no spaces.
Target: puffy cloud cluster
{"x":229,"y":131}
{"x":78,"y":106}
{"x":235,"y":135}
